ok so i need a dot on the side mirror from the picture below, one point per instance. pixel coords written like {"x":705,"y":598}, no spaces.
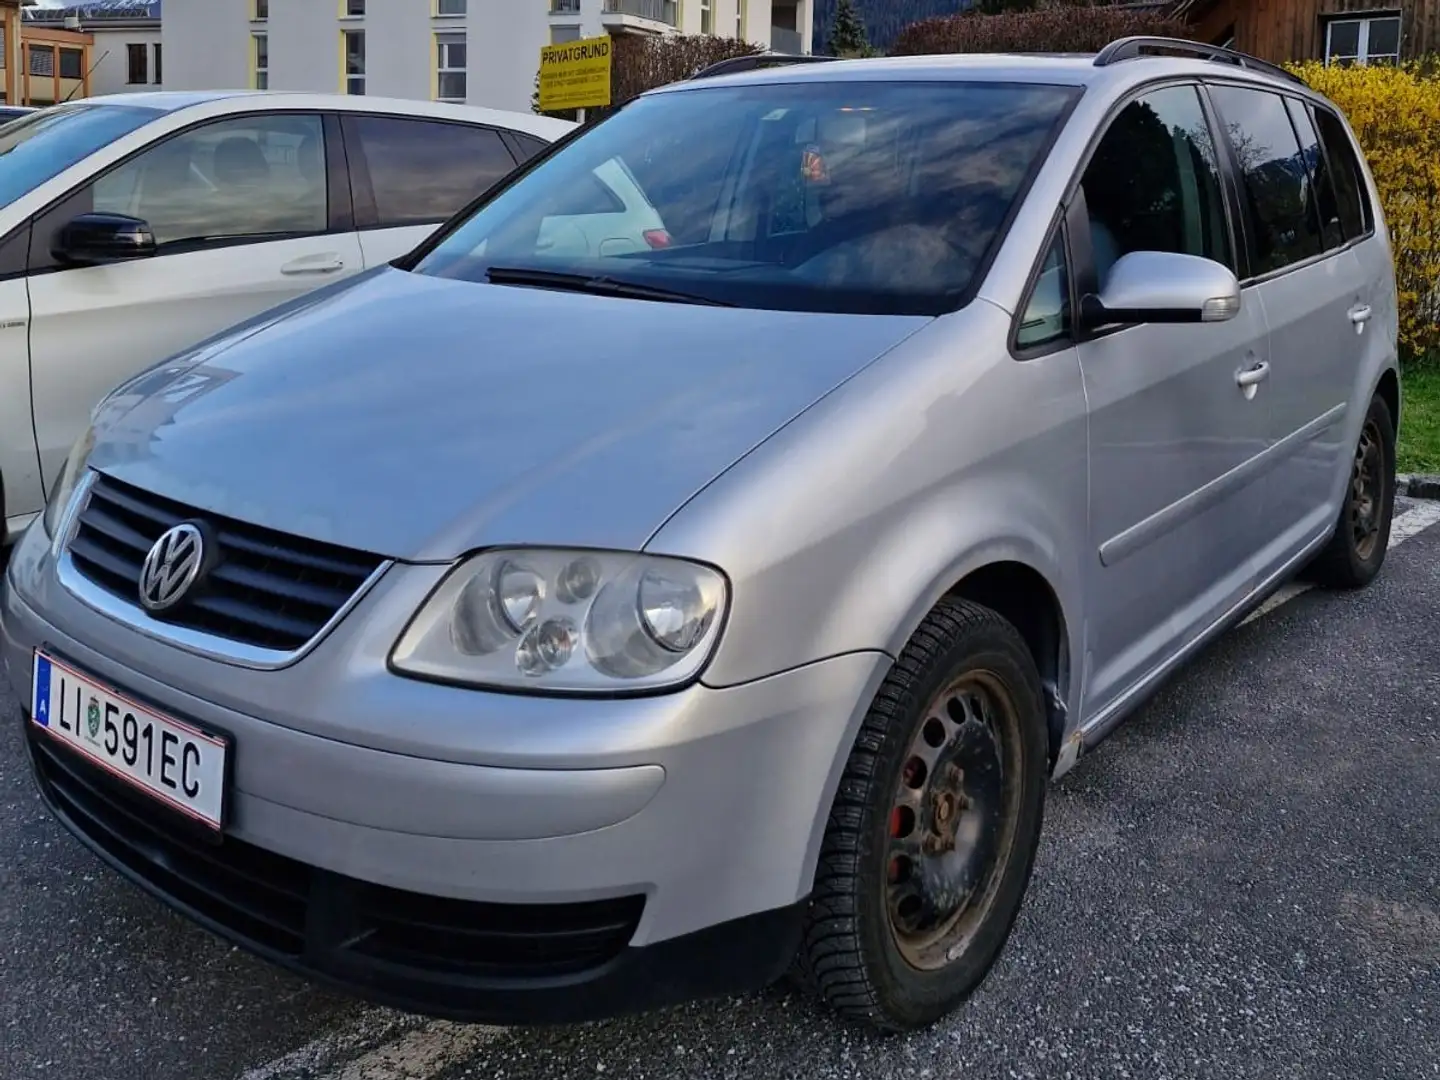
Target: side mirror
{"x":1163,"y":287}
{"x":97,"y":239}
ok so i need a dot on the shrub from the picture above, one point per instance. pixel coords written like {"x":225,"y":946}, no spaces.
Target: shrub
{"x":1396,"y":116}
{"x":1069,"y":28}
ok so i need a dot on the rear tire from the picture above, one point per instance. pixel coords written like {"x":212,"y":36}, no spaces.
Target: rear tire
{"x":1356,"y":550}
{"x":932,"y":835}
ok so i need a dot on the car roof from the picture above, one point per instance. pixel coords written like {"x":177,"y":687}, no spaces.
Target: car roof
{"x":1067,"y":69}
{"x":172,"y":101}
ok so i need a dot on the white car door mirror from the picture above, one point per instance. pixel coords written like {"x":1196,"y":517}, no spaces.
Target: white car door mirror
{"x":1163,"y":287}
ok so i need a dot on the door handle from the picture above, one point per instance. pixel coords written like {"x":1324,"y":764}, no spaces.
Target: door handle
{"x":1253,"y":376}
{"x":1360,"y":314}
{"x":314,"y":264}
{"x":1249,"y":379}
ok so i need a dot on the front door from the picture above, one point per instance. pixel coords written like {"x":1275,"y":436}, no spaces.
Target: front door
{"x":1177,"y":416}
{"x":241,"y":212}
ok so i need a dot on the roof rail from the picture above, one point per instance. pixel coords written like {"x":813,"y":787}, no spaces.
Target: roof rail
{"x":755,"y":61}
{"x":1131,"y":47}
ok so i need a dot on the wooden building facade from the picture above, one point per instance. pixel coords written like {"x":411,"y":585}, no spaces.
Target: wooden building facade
{"x":1337,"y":31}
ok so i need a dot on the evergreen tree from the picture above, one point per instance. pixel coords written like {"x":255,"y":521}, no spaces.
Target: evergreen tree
{"x":847,"y":33}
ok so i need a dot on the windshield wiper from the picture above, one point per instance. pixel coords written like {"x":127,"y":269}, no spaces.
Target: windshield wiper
{"x":599,"y":283}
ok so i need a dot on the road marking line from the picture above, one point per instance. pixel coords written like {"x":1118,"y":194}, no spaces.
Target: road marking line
{"x":1412,"y":522}
{"x":421,"y":1052}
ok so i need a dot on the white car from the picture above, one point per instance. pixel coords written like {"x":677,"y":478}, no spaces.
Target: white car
{"x":135,"y":225}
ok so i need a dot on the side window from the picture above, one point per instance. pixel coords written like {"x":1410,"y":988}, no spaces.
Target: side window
{"x":1274,"y":179}
{"x":1047,"y":315}
{"x":529,"y":145}
{"x":1154,"y":183}
{"x":246,"y":177}
{"x":1351,"y":198}
{"x":424,"y":171}
{"x":1322,"y":202}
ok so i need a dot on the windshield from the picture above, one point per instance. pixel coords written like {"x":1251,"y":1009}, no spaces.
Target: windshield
{"x":44,"y":144}
{"x":866,"y":197}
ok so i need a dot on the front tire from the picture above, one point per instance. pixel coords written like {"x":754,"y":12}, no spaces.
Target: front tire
{"x":1356,"y":550}
{"x":932,"y":835}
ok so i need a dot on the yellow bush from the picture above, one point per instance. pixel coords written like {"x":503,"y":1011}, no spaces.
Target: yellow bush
{"x":1395,"y":113}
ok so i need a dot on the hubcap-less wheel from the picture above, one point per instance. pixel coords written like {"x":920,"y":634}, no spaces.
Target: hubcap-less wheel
{"x":953,"y":820}
{"x":1367,"y":490}
{"x":932,"y":834}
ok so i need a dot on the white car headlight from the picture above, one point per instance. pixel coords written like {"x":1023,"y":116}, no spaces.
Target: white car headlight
{"x":567,"y":621}
{"x":64,"y":490}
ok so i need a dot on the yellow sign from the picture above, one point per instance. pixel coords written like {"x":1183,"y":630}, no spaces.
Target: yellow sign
{"x":575,"y":75}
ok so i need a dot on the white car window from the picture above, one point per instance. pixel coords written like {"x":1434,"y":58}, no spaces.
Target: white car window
{"x":248,"y":176}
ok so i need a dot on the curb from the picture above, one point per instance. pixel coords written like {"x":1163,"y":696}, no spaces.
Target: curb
{"x":1420,"y":486}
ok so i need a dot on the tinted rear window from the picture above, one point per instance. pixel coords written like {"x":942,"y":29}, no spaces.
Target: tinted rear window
{"x":1276,"y":179}
{"x":835,"y":196}
{"x":422,"y":172}
{"x":1343,"y":169}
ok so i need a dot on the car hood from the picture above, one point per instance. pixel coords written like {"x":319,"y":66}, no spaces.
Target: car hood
{"x":420,"y":418}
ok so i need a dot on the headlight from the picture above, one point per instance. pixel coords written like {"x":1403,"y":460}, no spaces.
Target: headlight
{"x":569,"y":621}
{"x":64,"y":488}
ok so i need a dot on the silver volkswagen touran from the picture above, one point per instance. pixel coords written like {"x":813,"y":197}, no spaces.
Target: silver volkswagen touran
{"x":581,"y":615}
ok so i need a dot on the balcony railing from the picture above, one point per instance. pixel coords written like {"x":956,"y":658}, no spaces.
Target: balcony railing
{"x":790,"y":42}
{"x":564,"y":7}
{"x":661,"y":11}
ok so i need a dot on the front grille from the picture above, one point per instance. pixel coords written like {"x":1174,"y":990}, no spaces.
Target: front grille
{"x":322,"y":921}
{"x":266,"y":589}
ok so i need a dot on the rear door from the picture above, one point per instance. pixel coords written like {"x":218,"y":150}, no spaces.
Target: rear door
{"x":410,"y":175}
{"x":1309,"y":283}
{"x":245,"y":218}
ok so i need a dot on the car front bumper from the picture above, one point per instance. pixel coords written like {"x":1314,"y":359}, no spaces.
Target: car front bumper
{"x":489,"y":857}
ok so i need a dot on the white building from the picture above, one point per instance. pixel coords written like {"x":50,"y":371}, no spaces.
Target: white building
{"x":127,"y":53}
{"x":483,"y":52}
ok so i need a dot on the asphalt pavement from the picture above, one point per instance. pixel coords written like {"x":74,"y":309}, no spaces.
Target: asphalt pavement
{"x":1243,"y":882}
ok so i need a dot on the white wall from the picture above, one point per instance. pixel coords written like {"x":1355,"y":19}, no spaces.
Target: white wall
{"x":305,"y":44}
{"x":505,"y":40}
{"x":110,"y":60}
{"x":207,"y":44}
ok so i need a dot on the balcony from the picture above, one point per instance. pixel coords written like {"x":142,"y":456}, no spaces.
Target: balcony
{"x":564,"y":7}
{"x":789,"y":42}
{"x":641,"y":16}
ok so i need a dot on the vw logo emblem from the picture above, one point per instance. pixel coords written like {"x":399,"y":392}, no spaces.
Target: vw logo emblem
{"x":172,"y":567}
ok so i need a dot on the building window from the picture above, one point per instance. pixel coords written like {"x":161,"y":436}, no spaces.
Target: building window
{"x":559,"y":35}
{"x":261,"y":10}
{"x":1372,"y":40}
{"x":450,"y":67}
{"x":42,"y":61}
{"x":158,"y":78}
{"x":261,"y":45}
{"x":707,"y":16}
{"x":72,"y":64}
{"x":449,"y":7}
{"x":354,"y":61}
{"x":352,"y":8}
{"x":136,"y":56}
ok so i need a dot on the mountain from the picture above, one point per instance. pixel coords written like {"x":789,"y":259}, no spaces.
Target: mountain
{"x":884,"y":19}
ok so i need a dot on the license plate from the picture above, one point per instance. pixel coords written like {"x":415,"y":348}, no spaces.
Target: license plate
{"x":172,"y":761}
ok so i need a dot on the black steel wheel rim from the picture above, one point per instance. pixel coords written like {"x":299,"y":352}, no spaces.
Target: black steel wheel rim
{"x":952,"y":822}
{"x":1367,"y":491}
